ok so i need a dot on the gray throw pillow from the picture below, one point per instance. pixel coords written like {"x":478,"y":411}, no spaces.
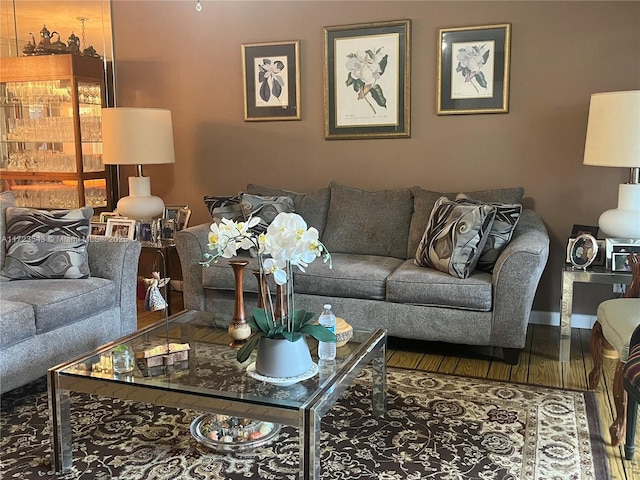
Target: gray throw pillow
{"x":224,"y":207}
{"x":312,"y":206}
{"x":46,"y":244}
{"x":507,"y":216}
{"x":424,"y":200}
{"x":455,"y":236}
{"x":368,"y":223}
{"x":267,"y":208}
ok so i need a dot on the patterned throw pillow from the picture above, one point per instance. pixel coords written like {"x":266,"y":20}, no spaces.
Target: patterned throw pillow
{"x":507,"y":216}
{"x":224,"y":207}
{"x":454,"y":237}
{"x":46,"y":244}
{"x":267,"y":208}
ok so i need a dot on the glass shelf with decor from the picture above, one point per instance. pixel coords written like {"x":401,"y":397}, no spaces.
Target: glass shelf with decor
{"x":50,"y":131}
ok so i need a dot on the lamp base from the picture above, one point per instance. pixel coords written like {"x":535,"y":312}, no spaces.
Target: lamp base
{"x":140,"y":205}
{"x":624,"y":221}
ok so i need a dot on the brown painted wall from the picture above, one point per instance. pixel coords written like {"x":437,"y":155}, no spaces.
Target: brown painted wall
{"x":168,"y":55}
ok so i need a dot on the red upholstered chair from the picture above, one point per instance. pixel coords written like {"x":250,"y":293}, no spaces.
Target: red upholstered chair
{"x":617,"y":320}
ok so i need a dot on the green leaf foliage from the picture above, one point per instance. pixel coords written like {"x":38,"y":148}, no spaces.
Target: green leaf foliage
{"x":245,"y":351}
{"x":383,"y":64}
{"x":263,"y":320}
{"x":378,"y":95}
{"x":292,"y":336}
{"x":320,"y":333}
{"x":300,"y":318}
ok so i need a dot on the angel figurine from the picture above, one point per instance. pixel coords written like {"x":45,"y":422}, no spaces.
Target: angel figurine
{"x":154,"y":300}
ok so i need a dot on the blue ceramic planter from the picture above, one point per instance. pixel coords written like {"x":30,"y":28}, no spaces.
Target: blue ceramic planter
{"x":281,"y":358}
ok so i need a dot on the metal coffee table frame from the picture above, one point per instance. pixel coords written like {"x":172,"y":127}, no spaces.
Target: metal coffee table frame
{"x":305,"y":414}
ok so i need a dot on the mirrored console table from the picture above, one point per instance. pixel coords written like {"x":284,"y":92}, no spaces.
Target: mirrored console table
{"x":571,"y":275}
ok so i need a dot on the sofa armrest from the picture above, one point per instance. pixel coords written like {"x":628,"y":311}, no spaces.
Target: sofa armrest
{"x":192,"y":244}
{"x":117,"y":260}
{"x":515,"y":280}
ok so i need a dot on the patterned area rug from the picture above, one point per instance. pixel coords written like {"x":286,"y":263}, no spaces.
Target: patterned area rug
{"x":437,"y":426}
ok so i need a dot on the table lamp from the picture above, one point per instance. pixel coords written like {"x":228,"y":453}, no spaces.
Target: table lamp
{"x":613,"y":140}
{"x":137,"y":136}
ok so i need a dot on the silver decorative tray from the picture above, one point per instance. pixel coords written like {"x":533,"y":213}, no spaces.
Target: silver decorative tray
{"x":224,"y":433}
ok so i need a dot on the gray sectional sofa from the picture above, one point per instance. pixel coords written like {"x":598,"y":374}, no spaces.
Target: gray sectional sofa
{"x":44,"y":322}
{"x":375,"y":282}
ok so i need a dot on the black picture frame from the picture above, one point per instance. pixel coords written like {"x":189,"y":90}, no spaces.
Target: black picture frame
{"x":275,"y":96}
{"x":464,"y":87}
{"x":354,"y":109}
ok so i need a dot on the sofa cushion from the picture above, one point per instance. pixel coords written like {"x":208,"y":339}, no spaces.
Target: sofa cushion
{"x":17,"y":322}
{"x":411,"y":284}
{"x":424,"y":200}
{"x":507,"y":216}
{"x":368,"y":223}
{"x":62,"y":302}
{"x":6,"y":200}
{"x":266,"y":208}
{"x":455,"y":236}
{"x":46,"y":244}
{"x":352,"y":276}
{"x":224,"y":207}
{"x":311,"y":206}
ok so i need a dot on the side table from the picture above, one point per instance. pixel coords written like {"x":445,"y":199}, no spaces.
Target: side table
{"x":162,"y":249}
{"x":571,"y":275}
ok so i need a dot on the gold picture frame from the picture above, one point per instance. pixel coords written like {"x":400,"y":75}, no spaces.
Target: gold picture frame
{"x":271,"y":73}
{"x":367,"y":80}
{"x":473,"y":69}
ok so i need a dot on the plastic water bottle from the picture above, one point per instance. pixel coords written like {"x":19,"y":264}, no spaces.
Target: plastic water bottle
{"x":327,"y":350}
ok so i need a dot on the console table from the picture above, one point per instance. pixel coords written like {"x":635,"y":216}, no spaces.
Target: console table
{"x":571,"y":275}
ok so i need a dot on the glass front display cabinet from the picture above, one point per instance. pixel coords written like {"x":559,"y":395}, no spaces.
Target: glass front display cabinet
{"x":50,"y":131}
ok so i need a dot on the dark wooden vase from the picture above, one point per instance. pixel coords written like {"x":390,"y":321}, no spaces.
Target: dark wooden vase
{"x":239,"y":330}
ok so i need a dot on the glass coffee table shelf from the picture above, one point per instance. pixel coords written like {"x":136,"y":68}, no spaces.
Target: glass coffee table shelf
{"x":211,"y":380}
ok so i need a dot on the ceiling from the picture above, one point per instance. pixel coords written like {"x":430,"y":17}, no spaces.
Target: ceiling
{"x":62,"y":16}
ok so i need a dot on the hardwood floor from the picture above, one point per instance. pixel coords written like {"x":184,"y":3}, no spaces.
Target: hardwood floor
{"x":538,"y":365}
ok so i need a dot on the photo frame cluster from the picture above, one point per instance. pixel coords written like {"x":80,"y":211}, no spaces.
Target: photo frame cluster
{"x":367,"y":77}
{"x":174,"y":219}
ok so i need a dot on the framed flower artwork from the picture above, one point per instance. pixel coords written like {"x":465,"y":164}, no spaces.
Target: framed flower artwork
{"x":271,"y":81}
{"x":473,"y":69}
{"x":367,"y":80}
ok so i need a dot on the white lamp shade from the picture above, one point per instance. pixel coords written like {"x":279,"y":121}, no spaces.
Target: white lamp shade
{"x":137,"y":136}
{"x":613,"y":130}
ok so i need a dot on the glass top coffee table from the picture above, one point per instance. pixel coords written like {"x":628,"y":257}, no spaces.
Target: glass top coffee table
{"x":212,"y":380}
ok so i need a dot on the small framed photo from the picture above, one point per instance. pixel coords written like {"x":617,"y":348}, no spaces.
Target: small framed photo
{"x":580,"y":229}
{"x":620,"y":262}
{"x":171,"y":211}
{"x":473,"y":69}
{"x":145,"y":232}
{"x":98,"y":228}
{"x":582,"y":251}
{"x":620,"y":246}
{"x":105,"y":215}
{"x":121,"y":228}
{"x":167,"y":228}
{"x":271,"y":74}
{"x":182,"y":218}
{"x":367,"y":80}
{"x":601,"y":256}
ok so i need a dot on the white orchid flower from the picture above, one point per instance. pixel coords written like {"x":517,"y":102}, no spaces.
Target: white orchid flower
{"x":275,"y":268}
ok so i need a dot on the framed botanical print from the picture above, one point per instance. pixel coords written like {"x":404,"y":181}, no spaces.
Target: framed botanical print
{"x":473,"y":69}
{"x":271,"y":81}
{"x":367,"y":80}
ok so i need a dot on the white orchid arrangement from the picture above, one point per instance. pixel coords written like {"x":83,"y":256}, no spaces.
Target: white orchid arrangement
{"x":286,"y":243}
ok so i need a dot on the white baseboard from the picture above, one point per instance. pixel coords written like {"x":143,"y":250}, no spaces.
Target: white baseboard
{"x":553,"y":318}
